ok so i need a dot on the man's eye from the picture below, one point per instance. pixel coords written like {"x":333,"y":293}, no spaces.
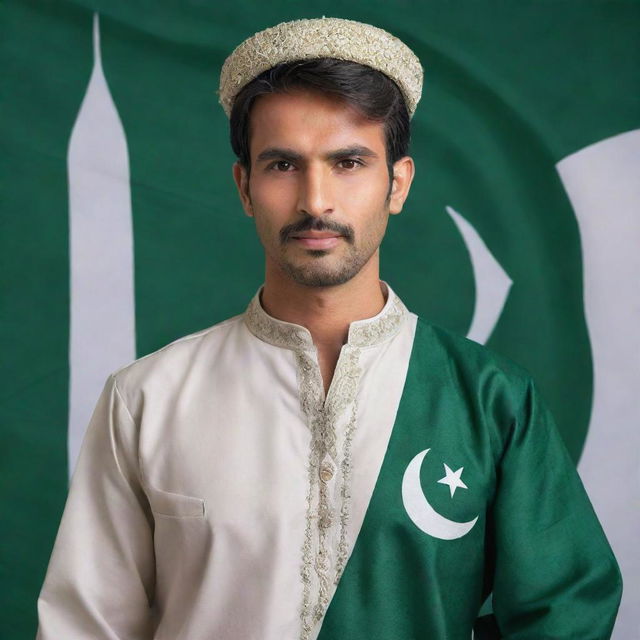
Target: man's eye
{"x":281,"y":165}
{"x":349,"y":163}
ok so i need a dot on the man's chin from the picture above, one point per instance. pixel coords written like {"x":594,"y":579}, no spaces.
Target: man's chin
{"x":317,"y":277}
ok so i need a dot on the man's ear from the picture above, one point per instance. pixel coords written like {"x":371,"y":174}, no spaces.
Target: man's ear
{"x":403,"y":172}
{"x":241,"y":178}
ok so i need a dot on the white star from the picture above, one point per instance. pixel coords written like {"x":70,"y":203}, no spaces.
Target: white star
{"x":453,"y":479}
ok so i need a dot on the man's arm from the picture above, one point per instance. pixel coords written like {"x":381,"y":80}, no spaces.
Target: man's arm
{"x":555,"y":574}
{"x":100,"y":579}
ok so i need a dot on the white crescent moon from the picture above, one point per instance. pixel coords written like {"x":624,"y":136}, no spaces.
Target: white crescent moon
{"x":492,"y":281}
{"x":422,"y":514}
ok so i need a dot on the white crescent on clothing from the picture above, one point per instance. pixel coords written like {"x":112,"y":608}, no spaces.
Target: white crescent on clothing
{"x":422,"y":514}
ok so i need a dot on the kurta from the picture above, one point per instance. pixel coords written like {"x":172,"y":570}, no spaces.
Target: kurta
{"x":219,"y":494}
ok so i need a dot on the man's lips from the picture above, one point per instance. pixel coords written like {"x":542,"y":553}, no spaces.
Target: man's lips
{"x":317,"y":239}
{"x":316,"y":233}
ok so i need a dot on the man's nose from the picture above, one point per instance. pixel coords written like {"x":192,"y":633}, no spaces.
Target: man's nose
{"x":315,"y":194}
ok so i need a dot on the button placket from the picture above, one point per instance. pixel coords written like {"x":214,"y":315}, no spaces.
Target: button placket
{"x":327,"y":471}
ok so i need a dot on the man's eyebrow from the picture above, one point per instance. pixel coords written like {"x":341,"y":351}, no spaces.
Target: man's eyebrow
{"x":290,"y":155}
{"x":356,"y":150}
{"x":281,"y":154}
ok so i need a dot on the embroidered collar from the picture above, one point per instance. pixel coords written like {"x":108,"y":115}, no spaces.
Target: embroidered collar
{"x":362,"y":333}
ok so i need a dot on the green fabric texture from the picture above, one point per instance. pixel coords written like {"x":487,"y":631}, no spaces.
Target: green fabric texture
{"x":536,"y":542}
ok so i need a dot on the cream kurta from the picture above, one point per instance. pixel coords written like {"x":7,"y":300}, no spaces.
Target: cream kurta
{"x":217,"y":495}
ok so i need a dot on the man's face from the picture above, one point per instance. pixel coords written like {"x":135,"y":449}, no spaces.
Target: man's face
{"x":319,"y":187}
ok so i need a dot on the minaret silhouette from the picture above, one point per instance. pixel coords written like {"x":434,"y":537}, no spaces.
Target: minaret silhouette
{"x":102,"y":313}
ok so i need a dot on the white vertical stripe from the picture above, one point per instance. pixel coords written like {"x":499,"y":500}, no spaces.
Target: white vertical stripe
{"x":102,"y":331}
{"x":603,"y":183}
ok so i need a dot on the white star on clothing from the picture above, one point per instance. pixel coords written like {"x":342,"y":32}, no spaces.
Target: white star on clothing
{"x":453,"y":479}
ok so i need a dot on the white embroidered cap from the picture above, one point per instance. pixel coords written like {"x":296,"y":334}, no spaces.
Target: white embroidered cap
{"x":322,"y":38}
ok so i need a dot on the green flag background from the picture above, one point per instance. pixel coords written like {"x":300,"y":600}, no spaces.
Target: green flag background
{"x":122,"y":229}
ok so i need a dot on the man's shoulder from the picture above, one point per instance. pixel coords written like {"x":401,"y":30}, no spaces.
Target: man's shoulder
{"x":490,"y":386}
{"x":464,"y":358}
{"x":176,"y":357}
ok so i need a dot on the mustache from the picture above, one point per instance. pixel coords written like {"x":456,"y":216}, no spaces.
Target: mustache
{"x":309,"y":223}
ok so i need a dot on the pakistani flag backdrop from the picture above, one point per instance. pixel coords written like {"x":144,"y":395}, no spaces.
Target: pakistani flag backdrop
{"x":122,"y":230}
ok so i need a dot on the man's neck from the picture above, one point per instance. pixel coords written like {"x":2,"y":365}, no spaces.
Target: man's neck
{"x":326,"y":312}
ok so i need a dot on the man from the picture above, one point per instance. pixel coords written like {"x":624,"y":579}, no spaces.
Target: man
{"x":280,"y":475}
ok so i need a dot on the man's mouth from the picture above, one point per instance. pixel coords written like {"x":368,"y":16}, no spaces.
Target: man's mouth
{"x":315,"y":233}
{"x":319,"y":240}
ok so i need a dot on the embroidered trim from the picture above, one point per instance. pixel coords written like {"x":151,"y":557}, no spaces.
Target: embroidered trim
{"x":311,"y":397}
{"x":275,"y":332}
{"x":362,"y":333}
{"x":345,"y":495}
{"x":322,"y":416}
{"x":365,"y":333}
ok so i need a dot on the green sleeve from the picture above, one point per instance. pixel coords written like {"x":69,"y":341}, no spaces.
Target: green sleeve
{"x":555,"y":574}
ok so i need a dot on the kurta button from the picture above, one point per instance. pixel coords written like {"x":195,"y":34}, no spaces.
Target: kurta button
{"x":326,"y":472}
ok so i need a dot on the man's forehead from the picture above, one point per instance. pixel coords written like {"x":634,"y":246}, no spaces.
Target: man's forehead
{"x":305,"y":123}
{"x":281,"y":106}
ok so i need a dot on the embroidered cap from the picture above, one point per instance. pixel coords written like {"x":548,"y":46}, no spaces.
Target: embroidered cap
{"x":322,"y":38}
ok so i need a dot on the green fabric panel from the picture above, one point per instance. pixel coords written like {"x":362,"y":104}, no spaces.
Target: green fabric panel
{"x":536,"y":541}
